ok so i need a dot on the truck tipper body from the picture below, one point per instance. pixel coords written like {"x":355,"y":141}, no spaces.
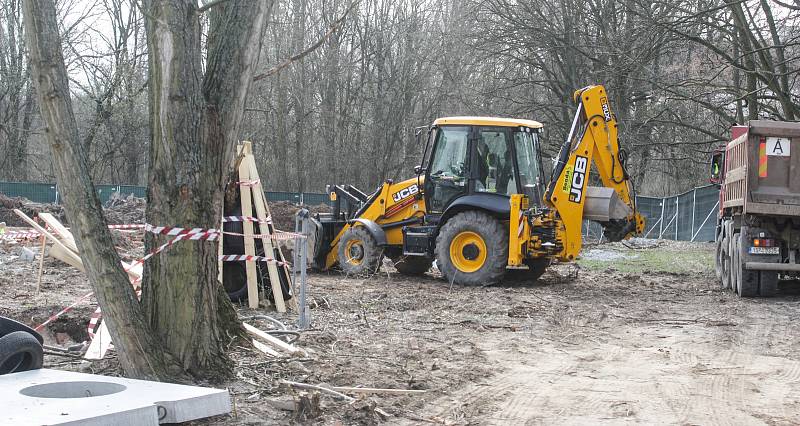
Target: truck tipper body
{"x":758,"y":224}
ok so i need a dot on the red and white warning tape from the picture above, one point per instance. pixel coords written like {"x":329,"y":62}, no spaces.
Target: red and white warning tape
{"x":63,"y":311}
{"x":249,"y":182}
{"x":128,"y":226}
{"x":246,"y":219}
{"x":19,"y":235}
{"x":244,"y":258}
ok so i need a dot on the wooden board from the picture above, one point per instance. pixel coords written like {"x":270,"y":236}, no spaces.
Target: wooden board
{"x":272,"y":340}
{"x":249,"y":243}
{"x":264,"y":229}
{"x":101,"y":343}
{"x":60,"y":230}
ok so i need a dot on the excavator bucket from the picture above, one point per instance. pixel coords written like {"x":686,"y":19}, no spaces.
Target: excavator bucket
{"x":603,"y":205}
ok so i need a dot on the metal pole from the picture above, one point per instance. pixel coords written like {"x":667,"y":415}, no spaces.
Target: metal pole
{"x":694,"y":207}
{"x":677,"y":205}
{"x":661,"y":226}
{"x":305,"y":315}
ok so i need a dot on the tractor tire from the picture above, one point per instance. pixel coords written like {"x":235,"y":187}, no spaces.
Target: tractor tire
{"x":412,"y":265}
{"x":537,"y":267}
{"x":20,"y":351}
{"x":472,"y":249}
{"x":8,"y":325}
{"x":747,"y":280}
{"x":767,"y":283}
{"x":358,"y":252}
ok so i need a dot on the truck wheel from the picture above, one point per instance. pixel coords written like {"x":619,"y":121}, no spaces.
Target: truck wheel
{"x":767,"y":283}
{"x":747,"y":285}
{"x":718,"y":260}
{"x":734,"y":262}
{"x":412,"y":265}
{"x":20,"y":351}
{"x":725,"y":260}
{"x":537,"y":266}
{"x":472,"y":249}
{"x":358,"y":252}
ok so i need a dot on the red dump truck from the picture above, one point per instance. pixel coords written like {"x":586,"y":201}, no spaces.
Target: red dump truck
{"x":758,"y":224}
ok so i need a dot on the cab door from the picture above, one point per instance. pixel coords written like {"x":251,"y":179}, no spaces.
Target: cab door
{"x":447,"y":175}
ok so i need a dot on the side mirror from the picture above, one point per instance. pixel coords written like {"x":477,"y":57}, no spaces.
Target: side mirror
{"x":419,"y":170}
{"x":717,"y":164}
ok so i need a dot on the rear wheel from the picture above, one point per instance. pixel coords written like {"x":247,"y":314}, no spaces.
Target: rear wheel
{"x":358,"y":252}
{"x":725,"y":261}
{"x":472,"y":249}
{"x":718,"y":259}
{"x":412,"y":265}
{"x":747,"y":284}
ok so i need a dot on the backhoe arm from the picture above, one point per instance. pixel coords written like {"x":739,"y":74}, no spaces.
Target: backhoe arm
{"x":592,"y":140}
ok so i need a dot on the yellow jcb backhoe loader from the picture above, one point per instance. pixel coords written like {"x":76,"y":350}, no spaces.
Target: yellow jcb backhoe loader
{"x":479,"y":202}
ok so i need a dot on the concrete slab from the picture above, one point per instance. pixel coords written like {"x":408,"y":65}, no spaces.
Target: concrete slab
{"x":54,"y":397}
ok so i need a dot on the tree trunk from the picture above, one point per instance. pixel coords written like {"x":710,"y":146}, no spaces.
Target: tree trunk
{"x":194,"y":124}
{"x":140,"y":351}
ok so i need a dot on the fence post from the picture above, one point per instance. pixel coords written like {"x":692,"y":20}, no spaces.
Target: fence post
{"x":694,"y":208}
{"x":677,"y":205}
{"x":661,"y":225}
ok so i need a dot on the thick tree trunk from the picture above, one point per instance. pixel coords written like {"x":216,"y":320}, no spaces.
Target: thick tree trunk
{"x":140,"y":351}
{"x":194,"y":122}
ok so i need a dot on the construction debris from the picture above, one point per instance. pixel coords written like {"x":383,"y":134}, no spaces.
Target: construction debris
{"x":121,"y":209}
{"x":9,"y":204}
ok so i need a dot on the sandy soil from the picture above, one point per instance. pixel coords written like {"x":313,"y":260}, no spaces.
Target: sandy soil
{"x":646,"y":338}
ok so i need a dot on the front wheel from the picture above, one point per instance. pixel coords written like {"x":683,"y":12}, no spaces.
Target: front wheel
{"x":358,"y":252}
{"x":472,"y":249}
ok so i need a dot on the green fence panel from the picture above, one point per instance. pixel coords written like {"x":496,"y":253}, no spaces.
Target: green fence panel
{"x":36,"y":192}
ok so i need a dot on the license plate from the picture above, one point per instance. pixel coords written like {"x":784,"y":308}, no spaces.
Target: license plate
{"x":765,"y":250}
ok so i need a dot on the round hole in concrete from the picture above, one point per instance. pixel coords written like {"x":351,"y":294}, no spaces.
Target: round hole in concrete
{"x":72,"y":389}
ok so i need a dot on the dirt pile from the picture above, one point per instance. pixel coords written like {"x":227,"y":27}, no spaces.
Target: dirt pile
{"x":120,"y":209}
{"x":8,"y":204}
{"x":283,"y":213}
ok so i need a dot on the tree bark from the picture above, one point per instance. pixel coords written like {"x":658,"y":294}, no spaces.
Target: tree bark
{"x":194,"y":123}
{"x":140,"y":351}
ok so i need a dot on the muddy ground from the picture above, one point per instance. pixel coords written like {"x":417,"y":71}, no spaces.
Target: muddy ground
{"x":626,"y":335}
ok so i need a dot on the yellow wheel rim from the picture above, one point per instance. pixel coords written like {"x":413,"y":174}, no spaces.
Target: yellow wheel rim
{"x":468,"y":251}
{"x":354,"y":250}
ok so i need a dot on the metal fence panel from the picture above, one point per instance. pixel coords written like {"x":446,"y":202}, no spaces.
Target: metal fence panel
{"x":36,"y":192}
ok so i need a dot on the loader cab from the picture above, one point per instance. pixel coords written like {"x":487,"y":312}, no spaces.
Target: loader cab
{"x":487,"y":158}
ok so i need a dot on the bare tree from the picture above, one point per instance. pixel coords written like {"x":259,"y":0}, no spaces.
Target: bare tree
{"x":185,"y":321}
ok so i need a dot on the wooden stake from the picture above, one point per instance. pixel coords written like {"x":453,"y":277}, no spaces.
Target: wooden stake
{"x":249,"y":244}
{"x":264,"y":229}
{"x":41,"y":265}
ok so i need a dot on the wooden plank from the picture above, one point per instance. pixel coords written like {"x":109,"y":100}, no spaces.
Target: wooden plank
{"x":66,"y":255}
{"x":269,"y":249}
{"x":264,"y":348}
{"x":249,"y":244}
{"x":346,"y":389}
{"x":60,"y":230}
{"x":101,"y":343}
{"x":272,"y":340}
{"x":41,"y":264}
{"x":56,"y":242}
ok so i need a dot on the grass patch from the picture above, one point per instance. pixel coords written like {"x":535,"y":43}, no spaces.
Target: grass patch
{"x":660,"y":259}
